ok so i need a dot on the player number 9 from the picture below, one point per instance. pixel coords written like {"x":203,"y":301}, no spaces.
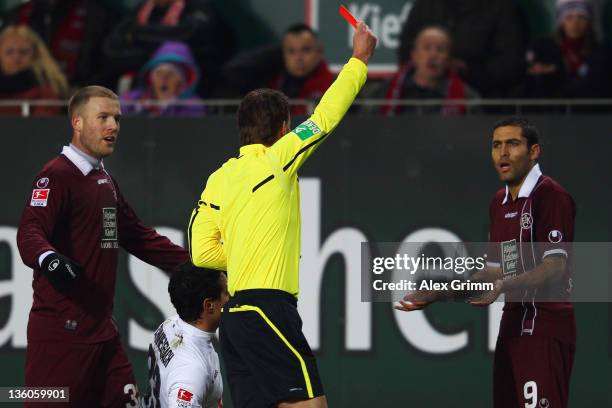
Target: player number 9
{"x":530,"y":391}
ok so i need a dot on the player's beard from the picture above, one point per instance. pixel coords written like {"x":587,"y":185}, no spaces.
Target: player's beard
{"x":96,"y":145}
{"x":518,"y":174}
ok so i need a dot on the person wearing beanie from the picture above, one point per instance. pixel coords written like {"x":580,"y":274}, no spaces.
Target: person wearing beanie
{"x":166,"y":84}
{"x":197,"y":23}
{"x":571,"y":63}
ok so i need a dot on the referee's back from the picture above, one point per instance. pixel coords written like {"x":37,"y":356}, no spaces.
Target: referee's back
{"x":248,"y":218}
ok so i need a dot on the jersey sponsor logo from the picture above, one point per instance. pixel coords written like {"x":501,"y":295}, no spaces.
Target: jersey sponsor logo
{"x":555,"y":236}
{"x":109,"y":224}
{"x":103,"y":181}
{"x":511,"y":214}
{"x":42,"y":182}
{"x":40,"y":197}
{"x":526,"y":221}
{"x":510,"y":254}
{"x":307,"y":129}
{"x":109,"y":245}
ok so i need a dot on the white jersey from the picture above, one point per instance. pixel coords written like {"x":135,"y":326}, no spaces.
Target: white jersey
{"x":183,"y":368}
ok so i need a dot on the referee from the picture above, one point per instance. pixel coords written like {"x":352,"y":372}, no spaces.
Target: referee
{"x":248,"y":222}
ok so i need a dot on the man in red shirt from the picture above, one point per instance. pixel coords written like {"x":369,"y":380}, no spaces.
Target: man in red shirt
{"x":531,"y":224}
{"x":70,"y":233}
{"x":537,"y":340}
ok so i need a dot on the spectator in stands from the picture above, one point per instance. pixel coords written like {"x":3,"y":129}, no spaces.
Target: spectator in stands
{"x":487,"y":40}
{"x":428,"y":75}
{"x":193,"y":22}
{"x":27,"y":71}
{"x":297,"y":67}
{"x":170,"y":76}
{"x":74,"y":31}
{"x":571,"y":63}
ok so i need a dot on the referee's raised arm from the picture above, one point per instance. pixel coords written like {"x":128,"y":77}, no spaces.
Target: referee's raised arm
{"x":248,"y":220}
{"x":301,"y":142}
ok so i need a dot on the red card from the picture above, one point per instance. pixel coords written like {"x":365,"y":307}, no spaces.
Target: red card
{"x":344,"y":12}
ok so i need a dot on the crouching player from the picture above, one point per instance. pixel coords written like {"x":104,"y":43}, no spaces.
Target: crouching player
{"x":183,"y":365}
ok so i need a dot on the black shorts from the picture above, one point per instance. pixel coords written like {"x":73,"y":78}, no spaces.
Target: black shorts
{"x":267,"y":358}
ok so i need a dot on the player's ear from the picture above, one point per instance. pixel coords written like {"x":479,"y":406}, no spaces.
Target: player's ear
{"x":77,"y":122}
{"x":534,"y":152}
{"x":208,"y":306}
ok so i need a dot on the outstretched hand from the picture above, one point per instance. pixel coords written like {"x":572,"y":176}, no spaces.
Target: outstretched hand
{"x":487,"y":297}
{"x":416,"y":300}
{"x":364,"y":42}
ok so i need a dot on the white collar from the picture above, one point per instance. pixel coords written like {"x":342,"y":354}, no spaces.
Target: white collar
{"x":528,"y":185}
{"x":194,"y":332}
{"x":83,"y":161}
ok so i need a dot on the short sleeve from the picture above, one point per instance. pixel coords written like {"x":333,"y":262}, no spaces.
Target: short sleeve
{"x":554,"y":223}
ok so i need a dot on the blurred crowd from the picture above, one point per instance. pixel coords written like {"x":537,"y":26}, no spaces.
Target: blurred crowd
{"x":169,"y":55}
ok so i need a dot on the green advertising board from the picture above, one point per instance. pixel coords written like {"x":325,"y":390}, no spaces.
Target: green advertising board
{"x":374,"y":180}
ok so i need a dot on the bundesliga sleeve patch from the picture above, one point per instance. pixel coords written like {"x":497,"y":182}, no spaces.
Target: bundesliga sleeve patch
{"x":307,"y":129}
{"x":40,"y":197}
{"x":184,"y":398}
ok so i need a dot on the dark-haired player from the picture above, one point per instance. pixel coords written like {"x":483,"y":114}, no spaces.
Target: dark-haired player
{"x":531,"y":224}
{"x":248,"y":221}
{"x":183,"y":364}
{"x":531,"y":220}
{"x":70,"y":233}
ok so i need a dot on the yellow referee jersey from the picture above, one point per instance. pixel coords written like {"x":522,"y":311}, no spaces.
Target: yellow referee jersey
{"x":248,"y":218}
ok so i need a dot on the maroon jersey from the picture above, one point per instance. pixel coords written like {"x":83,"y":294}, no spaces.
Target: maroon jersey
{"x":539,"y":223}
{"x":78,"y":210}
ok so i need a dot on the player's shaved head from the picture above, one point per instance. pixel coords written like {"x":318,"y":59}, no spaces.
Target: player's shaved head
{"x":83,"y":95}
{"x":261,"y":116}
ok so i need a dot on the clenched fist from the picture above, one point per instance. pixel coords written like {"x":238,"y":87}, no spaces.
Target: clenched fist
{"x":364,"y":42}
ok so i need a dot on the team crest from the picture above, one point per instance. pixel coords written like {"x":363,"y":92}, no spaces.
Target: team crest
{"x":555,"y":236}
{"x":526,"y":221}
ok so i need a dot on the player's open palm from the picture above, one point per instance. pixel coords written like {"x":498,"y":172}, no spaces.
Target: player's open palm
{"x":416,"y":300}
{"x":364,"y":42}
